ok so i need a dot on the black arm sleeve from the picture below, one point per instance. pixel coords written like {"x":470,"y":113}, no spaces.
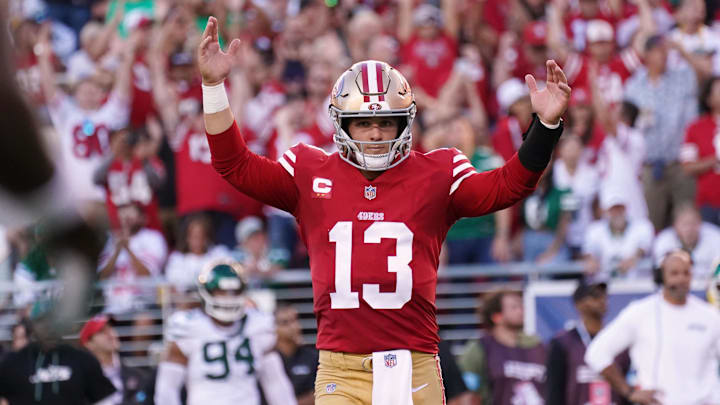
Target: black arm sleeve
{"x":452,"y":377}
{"x":556,"y":374}
{"x":538,"y":145}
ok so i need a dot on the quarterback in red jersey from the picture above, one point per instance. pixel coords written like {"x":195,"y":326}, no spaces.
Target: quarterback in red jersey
{"x":373,"y":216}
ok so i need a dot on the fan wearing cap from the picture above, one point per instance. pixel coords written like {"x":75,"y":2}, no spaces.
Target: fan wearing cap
{"x":673,"y":338}
{"x":520,"y":56}
{"x":133,"y":385}
{"x":252,"y":250}
{"x":615,"y":245}
{"x":569,"y":380}
{"x":221,"y":351}
{"x":514,"y":101}
{"x":613,"y":67}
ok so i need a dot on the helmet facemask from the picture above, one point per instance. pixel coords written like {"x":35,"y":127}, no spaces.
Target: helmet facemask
{"x":372,"y":89}
{"x":229,"y":307}
{"x":353,"y":151}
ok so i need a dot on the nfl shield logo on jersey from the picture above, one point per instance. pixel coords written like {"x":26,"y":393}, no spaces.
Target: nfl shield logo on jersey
{"x":390,"y":360}
{"x":370,"y":192}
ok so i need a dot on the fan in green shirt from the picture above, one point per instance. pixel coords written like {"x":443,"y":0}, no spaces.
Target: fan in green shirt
{"x":471,"y":240}
{"x":547,"y":214}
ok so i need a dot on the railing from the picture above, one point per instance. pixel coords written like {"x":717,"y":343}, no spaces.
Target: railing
{"x":458,"y":290}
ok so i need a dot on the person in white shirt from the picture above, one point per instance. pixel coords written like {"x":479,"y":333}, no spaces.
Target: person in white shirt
{"x":222,"y":352}
{"x":674,"y":342}
{"x":694,"y":42}
{"x":615,"y":245}
{"x":133,"y":254}
{"x":194,"y":250}
{"x":689,"y":232}
{"x":572,"y":172}
{"x":84,"y":119}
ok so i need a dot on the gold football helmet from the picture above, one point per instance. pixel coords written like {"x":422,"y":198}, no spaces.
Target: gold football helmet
{"x":372,"y":89}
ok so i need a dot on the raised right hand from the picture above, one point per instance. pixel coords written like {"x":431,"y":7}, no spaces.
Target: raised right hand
{"x":213,"y":63}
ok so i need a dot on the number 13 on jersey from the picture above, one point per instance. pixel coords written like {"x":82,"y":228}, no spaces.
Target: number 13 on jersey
{"x":344,"y":297}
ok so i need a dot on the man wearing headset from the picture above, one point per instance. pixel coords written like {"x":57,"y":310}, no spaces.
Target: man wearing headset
{"x":674,"y":342}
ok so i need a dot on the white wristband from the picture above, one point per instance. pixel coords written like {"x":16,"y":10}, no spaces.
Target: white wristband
{"x":551,"y":126}
{"x":215,"y":98}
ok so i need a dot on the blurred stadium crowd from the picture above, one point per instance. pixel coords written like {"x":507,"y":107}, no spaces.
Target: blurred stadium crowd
{"x":114,"y":85}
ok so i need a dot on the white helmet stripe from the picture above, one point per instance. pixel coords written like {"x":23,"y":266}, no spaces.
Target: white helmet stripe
{"x":372,"y":81}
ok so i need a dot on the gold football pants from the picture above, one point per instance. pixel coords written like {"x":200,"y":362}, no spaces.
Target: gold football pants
{"x":346,"y":379}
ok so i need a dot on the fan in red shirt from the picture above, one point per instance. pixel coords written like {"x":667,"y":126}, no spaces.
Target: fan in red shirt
{"x":613,"y":66}
{"x":27,"y":69}
{"x":374,"y":215}
{"x":516,"y":58}
{"x":198,"y":187}
{"x":700,"y":154}
{"x":514,"y":102}
{"x":428,"y":45}
{"x":577,"y":22}
{"x":131,"y":175}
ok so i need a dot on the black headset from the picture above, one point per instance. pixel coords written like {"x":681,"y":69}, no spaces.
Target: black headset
{"x":658,"y":269}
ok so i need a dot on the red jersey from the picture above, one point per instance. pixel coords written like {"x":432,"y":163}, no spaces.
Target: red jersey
{"x":128,"y":183}
{"x":430,"y":61}
{"x":702,"y":141}
{"x":373,"y":245}
{"x":521,"y":66}
{"x":610,"y":76}
{"x":507,"y":137}
{"x":28,"y":77}
{"x":199,"y":187}
{"x":142,"y":105}
{"x":576,"y":26}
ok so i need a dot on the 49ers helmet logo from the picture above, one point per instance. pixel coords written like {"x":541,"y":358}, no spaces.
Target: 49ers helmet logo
{"x":375,"y":107}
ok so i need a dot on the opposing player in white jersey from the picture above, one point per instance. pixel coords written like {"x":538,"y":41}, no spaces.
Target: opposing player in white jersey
{"x":221,"y":351}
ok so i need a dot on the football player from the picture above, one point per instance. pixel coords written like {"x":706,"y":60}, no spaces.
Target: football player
{"x":221,"y":351}
{"x":373,"y":216}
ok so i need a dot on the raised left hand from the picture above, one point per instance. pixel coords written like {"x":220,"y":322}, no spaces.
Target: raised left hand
{"x":551,"y":102}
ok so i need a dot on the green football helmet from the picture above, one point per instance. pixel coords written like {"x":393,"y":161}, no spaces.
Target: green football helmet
{"x":222,"y":287}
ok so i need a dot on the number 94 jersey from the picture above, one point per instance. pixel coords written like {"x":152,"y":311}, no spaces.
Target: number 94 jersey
{"x":222,"y":361}
{"x":374,"y":244}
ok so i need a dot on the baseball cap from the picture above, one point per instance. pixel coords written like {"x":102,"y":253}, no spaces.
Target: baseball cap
{"x":588,"y":289}
{"x":93,"y":326}
{"x":247,"y":227}
{"x":599,"y":30}
{"x":535,"y":33}
{"x":510,"y":91}
{"x":611,"y":198}
{"x":138,"y":19}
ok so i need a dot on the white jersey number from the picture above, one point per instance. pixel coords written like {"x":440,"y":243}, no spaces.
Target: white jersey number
{"x":344,"y":297}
